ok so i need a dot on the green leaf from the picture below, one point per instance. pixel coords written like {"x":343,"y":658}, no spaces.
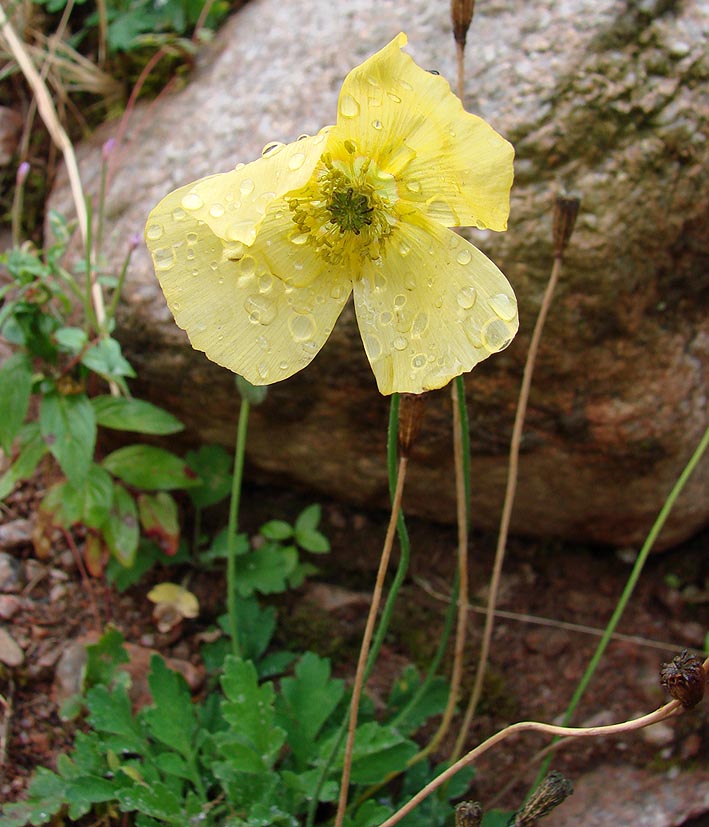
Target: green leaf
{"x":150,"y":468}
{"x":122,"y":531}
{"x":306,"y":702}
{"x":156,"y":800}
{"x":171,"y":719}
{"x":378,"y":751}
{"x":15,"y":391}
{"x":265,"y":570}
{"x":104,"y":658}
{"x":312,"y":541}
{"x":92,"y":497}
{"x":248,"y":709}
{"x":276,"y":530}
{"x":68,"y":426}
{"x":45,"y":797}
{"x":127,"y":414}
{"x":32,"y":449}
{"x":212,"y":463}
{"x":110,"y":712}
{"x":71,"y":339}
{"x":158,"y":517}
{"x":369,"y":814}
{"x":309,"y":518}
{"x":106,"y":359}
{"x":410,"y":711}
{"x":497,"y":818}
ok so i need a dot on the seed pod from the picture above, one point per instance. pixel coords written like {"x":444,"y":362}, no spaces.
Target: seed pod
{"x":565,"y":212}
{"x":462,"y":16}
{"x":468,"y":814}
{"x":685,"y":679}
{"x":411,"y":408}
{"x":554,"y":789}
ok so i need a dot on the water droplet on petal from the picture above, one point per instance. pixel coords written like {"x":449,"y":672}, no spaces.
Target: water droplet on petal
{"x":263,"y":370}
{"x":247,"y":266}
{"x":467,"y":296}
{"x":272,"y":148}
{"x":296,"y":161}
{"x":413,"y":186}
{"x":191,"y":201}
{"x":394,"y":97}
{"x":373,"y":346}
{"x":337,"y":292}
{"x":234,"y":251}
{"x":179,"y":214}
{"x":385,"y":318}
{"x":400,"y":300}
{"x":191,"y":238}
{"x":496,"y":335}
{"x":246,"y":187}
{"x":418,"y":361}
{"x":400,"y":343}
{"x":164,"y":258}
{"x":464,"y":257}
{"x":410,"y":281}
{"x":377,"y":124}
{"x":404,"y":248}
{"x":260,"y":309}
{"x":440,"y":210}
{"x":405,"y":85}
{"x":299,"y":238}
{"x":504,"y":305}
{"x":302,"y":328}
{"x":265,"y":283}
{"x":349,"y":107}
{"x":420,"y":324}
{"x":283,"y":365}
{"x":154,"y":231}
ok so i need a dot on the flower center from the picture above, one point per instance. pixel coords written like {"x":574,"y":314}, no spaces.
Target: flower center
{"x":345,"y":210}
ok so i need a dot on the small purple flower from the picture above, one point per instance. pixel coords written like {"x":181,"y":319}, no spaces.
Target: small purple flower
{"x":22,"y":173}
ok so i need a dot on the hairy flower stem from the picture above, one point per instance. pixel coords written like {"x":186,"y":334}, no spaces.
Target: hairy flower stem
{"x":507,"y":506}
{"x":630,"y":585}
{"x":233,"y":524}
{"x":366,"y":640}
{"x":670,"y":709}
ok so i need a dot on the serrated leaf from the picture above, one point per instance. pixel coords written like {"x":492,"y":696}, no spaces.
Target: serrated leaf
{"x":159,"y":519}
{"x":122,"y":530}
{"x":68,"y":426}
{"x":172,"y":703}
{"x":150,"y":468}
{"x":265,"y":570}
{"x":276,"y":530}
{"x":370,"y":814}
{"x":127,"y":414}
{"x":411,"y":711}
{"x":104,"y":658}
{"x":45,"y":797}
{"x":110,"y":712}
{"x":157,"y":801}
{"x":306,"y":702}
{"x":15,"y":391}
{"x":378,"y":750}
{"x":248,"y":709}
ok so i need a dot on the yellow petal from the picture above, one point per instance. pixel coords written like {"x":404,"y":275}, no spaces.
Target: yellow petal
{"x":231,"y":304}
{"x":182,"y":600}
{"x":233,"y":204}
{"x":434,"y":309}
{"x":452,"y":164}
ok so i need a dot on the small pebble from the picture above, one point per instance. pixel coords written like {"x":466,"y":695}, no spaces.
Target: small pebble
{"x":10,"y":652}
{"x":9,"y":573}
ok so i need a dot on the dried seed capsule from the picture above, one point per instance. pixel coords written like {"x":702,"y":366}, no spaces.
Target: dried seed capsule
{"x":685,"y":679}
{"x":468,"y":814}
{"x":554,"y":789}
{"x":411,"y":409}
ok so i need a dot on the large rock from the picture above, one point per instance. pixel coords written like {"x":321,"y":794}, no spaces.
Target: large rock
{"x":605,"y":98}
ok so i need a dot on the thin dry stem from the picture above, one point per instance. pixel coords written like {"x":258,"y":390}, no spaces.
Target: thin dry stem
{"x":358,"y":686}
{"x":5,"y":722}
{"x":669,"y":709}
{"x":508,"y":505}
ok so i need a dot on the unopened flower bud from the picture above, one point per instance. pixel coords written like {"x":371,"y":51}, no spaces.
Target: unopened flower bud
{"x":685,"y":679}
{"x":553,"y":790}
{"x":22,"y":173}
{"x":468,"y":814}
{"x":411,"y":408}
{"x":134,"y":241}
{"x":107,"y":148}
{"x":253,"y":394}
{"x":462,"y":16}
{"x":565,"y":212}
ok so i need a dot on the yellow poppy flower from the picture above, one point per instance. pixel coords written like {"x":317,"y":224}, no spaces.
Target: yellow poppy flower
{"x":256,"y":264}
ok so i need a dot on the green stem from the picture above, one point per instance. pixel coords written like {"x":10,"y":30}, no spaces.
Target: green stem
{"x":111,"y":311}
{"x":630,"y":586}
{"x":233,"y":525}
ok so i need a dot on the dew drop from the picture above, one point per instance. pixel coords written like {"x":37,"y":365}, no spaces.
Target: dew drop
{"x":262,"y":342}
{"x":191,"y":238}
{"x":272,"y":148}
{"x":296,"y":161}
{"x":464,"y":256}
{"x":234,"y":251}
{"x":504,"y":306}
{"x":404,"y":249}
{"x":265,"y":283}
{"x":262,"y":370}
{"x":260,"y":309}
{"x":216,"y":211}
{"x":239,"y":166}
{"x":440,"y":210}
{"x":496,"y":335}
{"x":190,"y":255}
{"x":283,"y":365}
{"x":400,"y":300}
{"x":413,"y":186}
{"x":214,"y":265}
{"x":376,"y":124}
{"x":241,"y":231}
{"x":247,"y":266}
{"x":349,"y":107}
{"x":337,"y":292}
{"x":373,"y":346}
{"x":400,"y":343}
{"x":154,"y":232}
{"x":299,"y":239}
{"x":164,"y":258}
{"x":418,"y":361}
{"x":467,"y":296}
{"x":385,"y":318}
{"x":405,"y":85}
{"x":372,"y":81}
{"x":394,"y":97}
{"x":195,"y":271}
{"x":410,"y":281}
{"x":191,"y":201}
{"x":179,"y":214}
{"x":302,"y":328}
{"x":420,"y":324}
{"x":246,"y":187}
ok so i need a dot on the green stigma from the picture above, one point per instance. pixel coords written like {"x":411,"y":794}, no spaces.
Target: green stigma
{"x":350,"y":210}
